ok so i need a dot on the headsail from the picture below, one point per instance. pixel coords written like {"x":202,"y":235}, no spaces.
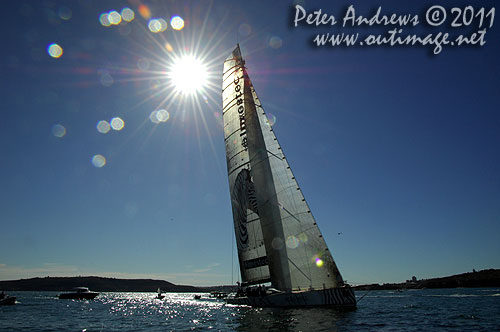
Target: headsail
{"x":277,"y":236}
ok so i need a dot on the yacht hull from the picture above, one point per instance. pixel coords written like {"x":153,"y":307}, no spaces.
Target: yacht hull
{"x":342,"y":297}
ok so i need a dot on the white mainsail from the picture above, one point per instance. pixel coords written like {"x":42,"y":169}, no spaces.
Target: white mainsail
{"x":277,"y":237}
{"x":249,"y":238}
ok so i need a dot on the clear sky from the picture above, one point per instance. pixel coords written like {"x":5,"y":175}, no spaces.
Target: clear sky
{"x":395,"y":148}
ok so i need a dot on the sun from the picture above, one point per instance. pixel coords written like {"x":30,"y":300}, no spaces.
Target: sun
{"x":189,"y":75}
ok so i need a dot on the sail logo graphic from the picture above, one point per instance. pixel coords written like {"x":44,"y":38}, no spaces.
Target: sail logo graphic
{"x":241,"y":110}
{"x":244,"y":199}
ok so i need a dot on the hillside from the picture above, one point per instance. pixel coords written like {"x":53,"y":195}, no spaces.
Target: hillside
{"x":484,"y":278}
{"x":98,"y":284}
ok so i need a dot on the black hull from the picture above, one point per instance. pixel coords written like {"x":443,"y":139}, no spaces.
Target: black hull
{"x":11,"y":300}
{"x":341,"y":298}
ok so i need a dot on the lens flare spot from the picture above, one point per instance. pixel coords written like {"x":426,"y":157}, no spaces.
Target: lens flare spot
{"x":55,"y":50}
{"x":157,"y":25}
{"x":154,"y":26}
{"x":163,"y":24}
{"x":104,"y":19}
{"x":153,"y":117}
{"x":169,"y":47}
{"x":292,"y":242}
{"x":154,"y":84}
{"x":58,"y":130}
{"x":143,"y":64}
{"x":65,"y":13}
{"x":177,"y":23}
{"x":159,"y":116}
{"x":117,"y":123}
{"x":106,"y":78}
{"x":103,"y":127}
{"x":188,"y":75}
{"x":271,"y":119}
{"x":128,"y":14}
{"x":114,"y":17}
{"x":144,"y":11}
{"x":98,"y":160}
{"x":275,"y":42}
{"x":245,"y":29}
{"x":319,"y":262}
{"x":162,"y":115}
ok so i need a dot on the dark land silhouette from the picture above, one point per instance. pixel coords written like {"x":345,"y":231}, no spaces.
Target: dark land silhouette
{"x":484,"y":278}
{"x":99,"y":284}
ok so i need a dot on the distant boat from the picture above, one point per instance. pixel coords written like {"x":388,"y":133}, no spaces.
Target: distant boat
{"x":277,"y":237}
{"x":197,"y":297}
{"x":80,"y":293}
{"x":218,"y":294}
{"x":6,"y":299}
{"x":160,"y":295}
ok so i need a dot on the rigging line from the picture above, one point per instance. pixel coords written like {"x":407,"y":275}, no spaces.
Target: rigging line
{"x":299,"y":269}
{"x":291,"y":215}
{"x":274,"y":155}
{"x":232,"y":256}
{"x":364,"y":295}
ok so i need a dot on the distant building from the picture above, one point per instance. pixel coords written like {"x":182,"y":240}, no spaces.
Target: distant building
{"x":413,"y":280}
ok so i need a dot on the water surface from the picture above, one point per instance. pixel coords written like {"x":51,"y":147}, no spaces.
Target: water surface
{"x":411,"y":310}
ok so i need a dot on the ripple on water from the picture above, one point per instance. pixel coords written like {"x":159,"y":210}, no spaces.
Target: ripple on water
{"x":415,"y":311}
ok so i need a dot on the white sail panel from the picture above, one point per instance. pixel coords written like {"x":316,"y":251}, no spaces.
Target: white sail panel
{"x":310,"y":263}
{"x":249,"y":237}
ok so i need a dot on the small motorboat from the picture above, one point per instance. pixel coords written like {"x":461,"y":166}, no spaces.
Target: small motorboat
{"x":160,"y":296}
{"x":218,"y":294}
{"x":6,"y":299}
{"x":80,"y":293}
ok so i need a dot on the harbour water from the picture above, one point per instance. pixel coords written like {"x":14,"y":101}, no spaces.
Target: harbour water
{"x":410,"y":310}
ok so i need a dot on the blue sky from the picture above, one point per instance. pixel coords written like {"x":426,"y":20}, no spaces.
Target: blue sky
{"x":395,"y":148}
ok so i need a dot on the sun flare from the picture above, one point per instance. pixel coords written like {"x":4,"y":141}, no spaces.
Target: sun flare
{"x":189,"y":75}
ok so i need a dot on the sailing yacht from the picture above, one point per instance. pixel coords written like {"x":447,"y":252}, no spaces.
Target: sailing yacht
{"x":283,"y":258}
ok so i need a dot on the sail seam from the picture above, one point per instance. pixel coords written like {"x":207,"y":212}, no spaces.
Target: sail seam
{"x":230,"y":159}
{"x":229,"y":105}
{"x":228,"y":136}
{"x":227,"y":86}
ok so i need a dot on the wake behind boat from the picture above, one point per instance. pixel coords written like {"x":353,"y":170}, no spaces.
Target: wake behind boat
{"x":277,"y":237}
{"x":80,"y":293}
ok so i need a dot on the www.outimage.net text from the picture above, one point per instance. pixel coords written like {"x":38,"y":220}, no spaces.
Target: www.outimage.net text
{"x":399,"y":27}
